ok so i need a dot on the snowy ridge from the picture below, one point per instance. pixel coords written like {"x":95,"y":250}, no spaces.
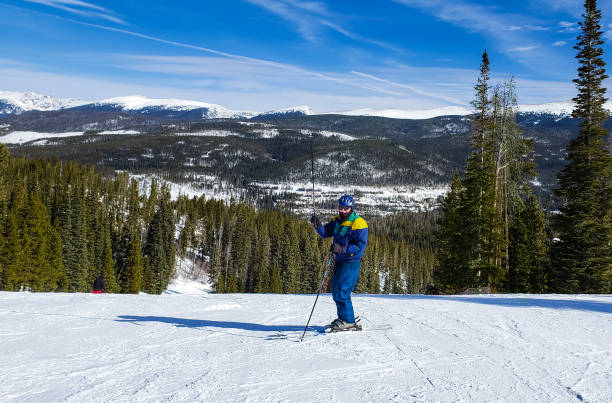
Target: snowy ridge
{"x":138,"y":102}
{"x":407,"y":113}
{"x":554,"y":108}
{"x":245,"y":347}
{"x":18,"y":102}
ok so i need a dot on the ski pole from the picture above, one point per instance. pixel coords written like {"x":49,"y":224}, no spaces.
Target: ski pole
{"x":331,"y":255}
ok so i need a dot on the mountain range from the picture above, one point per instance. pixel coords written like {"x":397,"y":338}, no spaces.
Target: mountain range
{"x":171,"y":108}
{"x":19,"y":102}
{"x":267,"y":156}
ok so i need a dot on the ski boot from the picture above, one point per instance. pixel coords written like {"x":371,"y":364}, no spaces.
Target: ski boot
{"x":340,"y":325}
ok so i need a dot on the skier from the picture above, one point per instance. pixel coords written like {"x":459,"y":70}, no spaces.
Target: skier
{"x":350,"y":236}
{"x":98,"y":284}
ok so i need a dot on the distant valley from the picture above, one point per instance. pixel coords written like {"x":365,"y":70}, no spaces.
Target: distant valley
{"x":393,"y":164}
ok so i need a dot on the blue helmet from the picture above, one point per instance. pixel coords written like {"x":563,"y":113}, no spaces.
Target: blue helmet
{"x":346,"y":201}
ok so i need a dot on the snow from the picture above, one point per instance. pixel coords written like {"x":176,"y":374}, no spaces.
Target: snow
{"x":555,"y":108}
{"x":408,"y":113}
{"x":21,"y":137}
{"x":210,"y":133}
{"x":327,"y":133}
{"x":245,"y":347}
{"x":135,"y":102}
{"x":29,"y":101}
{"x":303,"y":109}
{"x":120,"y":132}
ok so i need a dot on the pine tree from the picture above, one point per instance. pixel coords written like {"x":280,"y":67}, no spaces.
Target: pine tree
{"x":514,"y":163}
{"x":261,"y":260}
{"x":528,"y":248}
{"x":582,"y":257}
{"x":453,"y":273}
{"x":131,"y":280}
{"x":483,"y":218}
{"x":108,"y":264}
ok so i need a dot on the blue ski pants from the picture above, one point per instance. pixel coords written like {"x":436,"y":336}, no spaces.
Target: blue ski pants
{"x":343,"y":283}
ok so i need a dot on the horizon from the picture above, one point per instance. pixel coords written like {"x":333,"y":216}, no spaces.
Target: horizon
{"x":276,"y":54}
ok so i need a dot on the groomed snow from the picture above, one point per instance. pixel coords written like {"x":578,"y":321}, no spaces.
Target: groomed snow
{"x":239,"y":347}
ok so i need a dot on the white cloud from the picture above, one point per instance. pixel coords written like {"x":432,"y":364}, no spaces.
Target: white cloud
{"x":522,"y":49}
{"x":569,"y":26}
{"x":536,"y":27}
{"x":559,"y":43}
{"x":493,"y":25}
{"x":309,"y":19}
{"x":412,"y":88}
{"x":84,"y":9}
{"x":269,"y":88}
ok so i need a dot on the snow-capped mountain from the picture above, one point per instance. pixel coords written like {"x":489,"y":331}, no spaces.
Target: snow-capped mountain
{"x":184,"y":109}
{"x":563,"y":109}
{"x":407,"y":113}
{"x":171,"y":108}
{"x":175,"y":107}
{"x":12,"y":103}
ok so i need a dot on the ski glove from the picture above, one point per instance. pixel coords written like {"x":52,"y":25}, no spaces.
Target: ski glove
{"x":315,"y":221}
{"x":337,"y":248}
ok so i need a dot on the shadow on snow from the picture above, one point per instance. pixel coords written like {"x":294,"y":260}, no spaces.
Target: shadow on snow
{"x":196,"y":323}
{"x":513,"y":302}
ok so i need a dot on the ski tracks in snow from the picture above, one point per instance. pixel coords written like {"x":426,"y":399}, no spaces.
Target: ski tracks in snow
{"x":244,"y":348}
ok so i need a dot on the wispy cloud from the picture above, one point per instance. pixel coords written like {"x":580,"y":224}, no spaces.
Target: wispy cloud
{"x":565,"y":26}
{"x":256,"y":61}
{"x":81,"y":8}
{"x":523,"y":48}
{"x":487,"y":20}
{"x":409,"y":87}
{"x":309,"y":18}
{"x":559,"y":43}
{"x":499,"y":28}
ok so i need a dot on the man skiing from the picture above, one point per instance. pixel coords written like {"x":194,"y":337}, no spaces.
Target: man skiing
{"x":350,"y":236}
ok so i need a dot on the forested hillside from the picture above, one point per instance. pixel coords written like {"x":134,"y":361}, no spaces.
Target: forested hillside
{"x":241,"y":154}
{"x":63,"y":224}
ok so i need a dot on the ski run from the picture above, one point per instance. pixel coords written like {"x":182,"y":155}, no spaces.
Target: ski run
{"x":245,"y":348}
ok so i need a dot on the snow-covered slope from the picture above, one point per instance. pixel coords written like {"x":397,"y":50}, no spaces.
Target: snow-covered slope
{"x":141,"y":103}
{"x":18,"y":102}
{"x":236,"y":348}
{"x":407,"y":113}
{"x":553,"y":108}
{"x":182,"y":108}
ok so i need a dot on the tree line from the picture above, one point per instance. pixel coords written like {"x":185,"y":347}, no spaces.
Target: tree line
{"x":62,"y":224}
{"x":494,"y":232}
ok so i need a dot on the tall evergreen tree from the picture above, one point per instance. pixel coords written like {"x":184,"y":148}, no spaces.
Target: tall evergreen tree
{"x":528,"y":248}
{"x":582,"y":257}
{"x":453,"y":273}
{"x":482,"y":217}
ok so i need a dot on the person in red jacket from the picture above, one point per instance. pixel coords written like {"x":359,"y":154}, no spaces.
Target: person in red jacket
{"x":350,"y":237}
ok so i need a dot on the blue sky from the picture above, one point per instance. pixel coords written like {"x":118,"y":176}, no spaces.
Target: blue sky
{"x":269,"y":54}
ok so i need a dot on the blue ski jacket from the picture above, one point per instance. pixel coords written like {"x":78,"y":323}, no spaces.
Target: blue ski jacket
{"x":352,"y":234}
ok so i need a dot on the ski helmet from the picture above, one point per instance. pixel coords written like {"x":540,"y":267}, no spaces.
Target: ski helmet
{"x":346,"y":201}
